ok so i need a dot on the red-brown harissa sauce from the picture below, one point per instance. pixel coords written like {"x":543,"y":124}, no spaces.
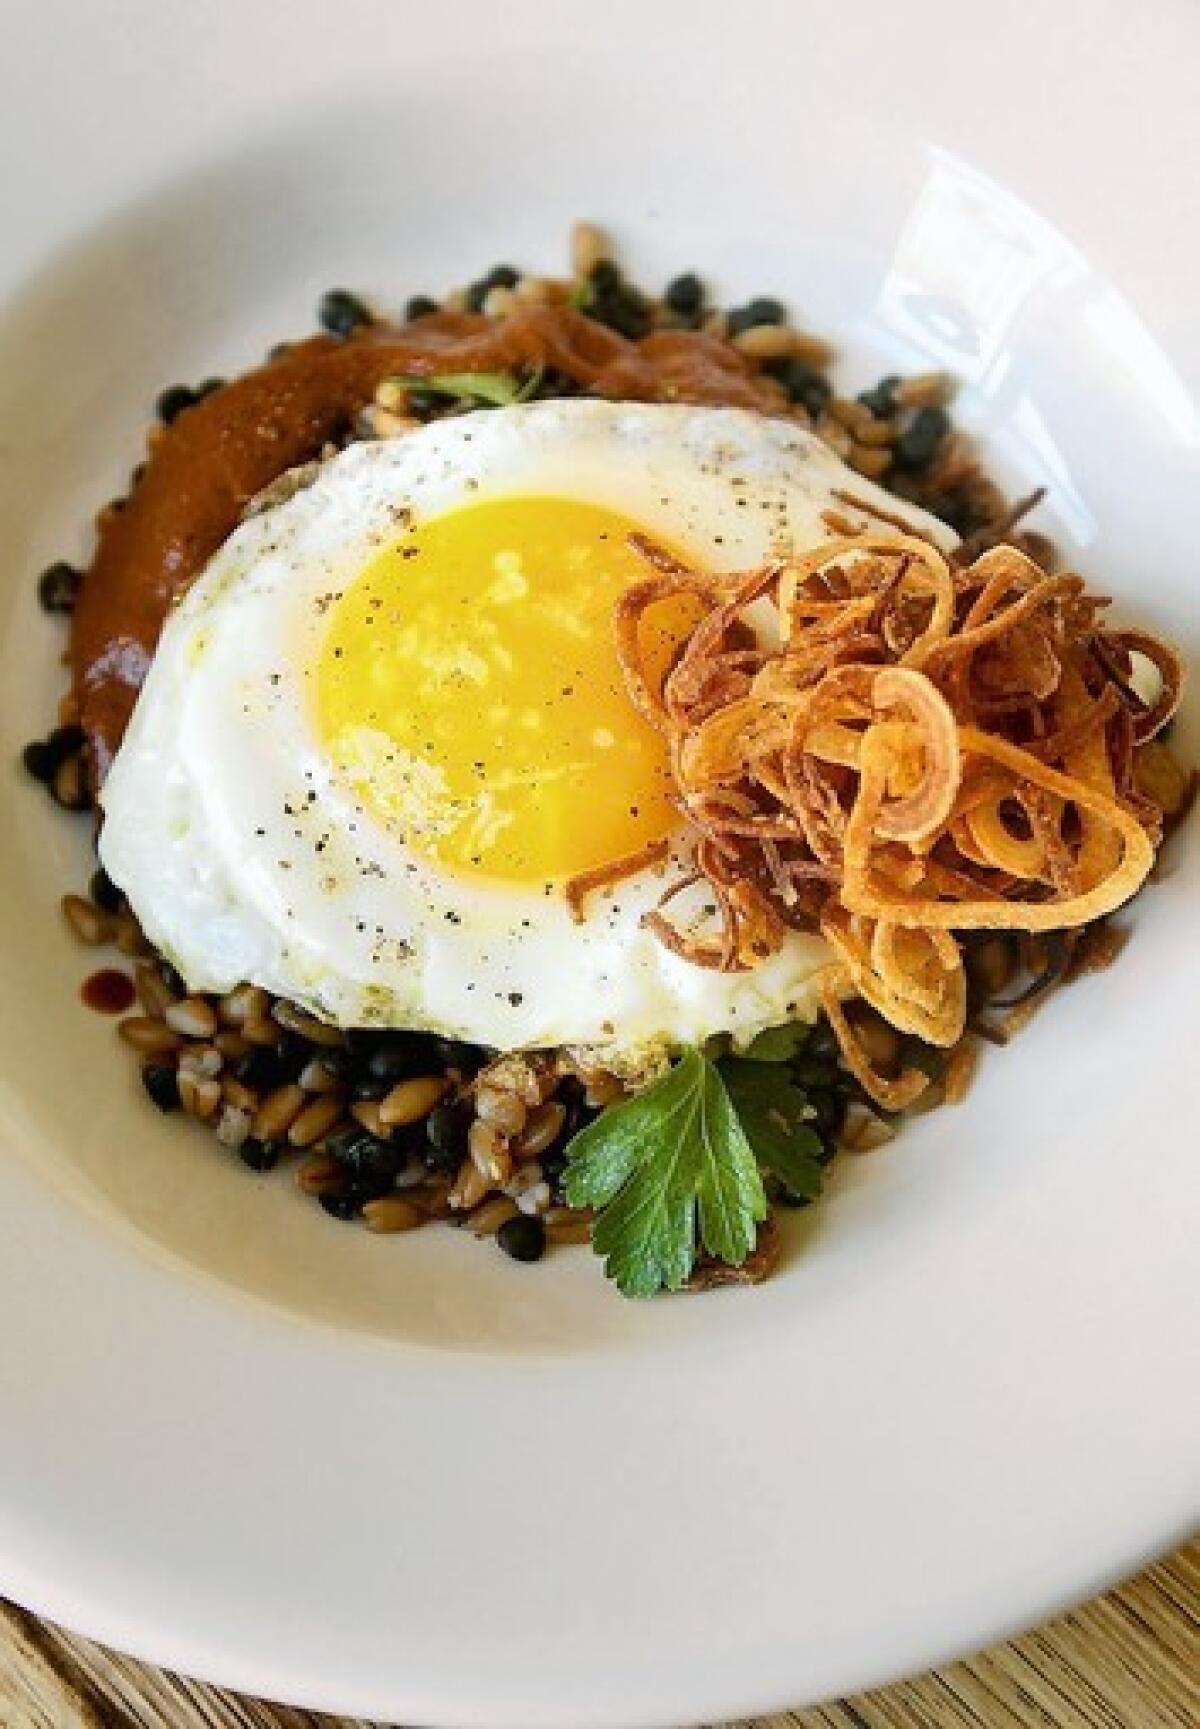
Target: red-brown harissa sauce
{"x":108,"y":992}
{"x":211,"y":461}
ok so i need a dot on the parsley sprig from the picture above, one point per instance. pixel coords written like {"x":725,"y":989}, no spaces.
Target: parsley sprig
{"x":678,"y":1169}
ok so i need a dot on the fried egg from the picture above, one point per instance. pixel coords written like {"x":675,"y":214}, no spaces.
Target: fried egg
{"x":388,"y":725}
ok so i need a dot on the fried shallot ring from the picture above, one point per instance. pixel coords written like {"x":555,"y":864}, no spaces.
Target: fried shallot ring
{"x":907,"y":752}
{"x":577,"y":888}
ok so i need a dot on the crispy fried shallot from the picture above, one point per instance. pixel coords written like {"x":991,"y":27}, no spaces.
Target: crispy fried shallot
{"x":916,"y":748}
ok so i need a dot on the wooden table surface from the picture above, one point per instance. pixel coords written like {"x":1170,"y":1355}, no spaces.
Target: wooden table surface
{"x":1130,"y":1660}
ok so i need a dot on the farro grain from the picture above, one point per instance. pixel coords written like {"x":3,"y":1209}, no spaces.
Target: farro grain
{"x":487,"y":1218}
{"x":411,"y":1100}
{"x":572,"y":1230}
{"x":835,"y":436}
{"x":469,"y":1187}
{"x":148,"y":1036}
{"x":567,"y":1216}
{"x":873,"y":462}
{"x":848,"y":413}
{"x":924,"y":390}
{"x":199,"y":1095}
{"x":307,"y":1026}
{"x":87,"y":922}
{"x":319,"y":1174}
{"x":541,"y":1130}
{"x":232,"y":1046}
{"x":875,"y":432}
{"x":500,"y":1110}
{"x":524,"y":1177}
{"x":316,"y":1078}
{"x":246,"y":1003}
{"x":602,"y":1089}
{"x":201,"y":1060}
{"x":433,"y":1198}
{"x":535,"y":1199}
{"x":393,"y":1213}
{"x":366,"y":1114}
{"x":316,"y":1119}
{"x":541,"y":291}
{"x":387,"y":423}
{"x":391,"y":395}
{"x":70,"y":783}
{"x":499,"y":302}
{"x":274,"y":1117}
{"x":488,"y":1153}
{"x":193,"y":1017}
{"x":154,"y":993}
{"x":765,"y":342}
{"x":239,"y":1095}
{"x":233,"y":1126}
{"x":128,"y":935}
{"x":588,"y":247}
{"x":260,"y":1032}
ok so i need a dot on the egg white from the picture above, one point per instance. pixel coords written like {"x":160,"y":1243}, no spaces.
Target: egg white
{"x":245,"y":859}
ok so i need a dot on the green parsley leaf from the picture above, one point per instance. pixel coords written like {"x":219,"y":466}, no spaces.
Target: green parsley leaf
{"x":493,"y":389}
{"x":668,"y":1171}
{"x":775,"y":1116}
{"x":777,"y":1044}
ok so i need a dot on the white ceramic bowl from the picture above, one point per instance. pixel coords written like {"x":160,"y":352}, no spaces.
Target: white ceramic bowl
{"x":407,"y":1478}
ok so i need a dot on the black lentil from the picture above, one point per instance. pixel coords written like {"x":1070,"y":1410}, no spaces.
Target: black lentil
{"x":502,"y":276}
{"x":339,"y":312}
{"x":803,"y":383}
{"x":616,"y":303}
{"x":105,"y":893}
{"x":761,"y":310}
{"x":162,"y":1084}
{"x":58,"y":587}
{"x":523,"y":1237}
{"x":343,"y":1203}
{"x":259,"y":1155}
{"x":579,"y":1112}
{"x":269,"y":1066}
{"x":918,"y":444}
{"x":420,"y":306}
{"x":881,"y":398}
{"x":172,"y":978}
{"x":38,"y":760}
{"x":446,"y":1130}
{"x":366,"y":1087}
{"x":399,"y":1058}
{"x":172,"y":401}
{"x":685,"y":295}
{"x":367,"y":1157}
{"x":455,"y":1054}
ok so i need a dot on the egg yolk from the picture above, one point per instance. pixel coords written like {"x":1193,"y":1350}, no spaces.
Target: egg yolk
{"x":469,"y":691}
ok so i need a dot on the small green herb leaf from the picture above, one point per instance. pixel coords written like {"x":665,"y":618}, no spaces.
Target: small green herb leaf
{"x":669,"y":1171}
{"x":775,"y":1116}
{"x":494,"y":389}
{"x":777,"y":1044}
